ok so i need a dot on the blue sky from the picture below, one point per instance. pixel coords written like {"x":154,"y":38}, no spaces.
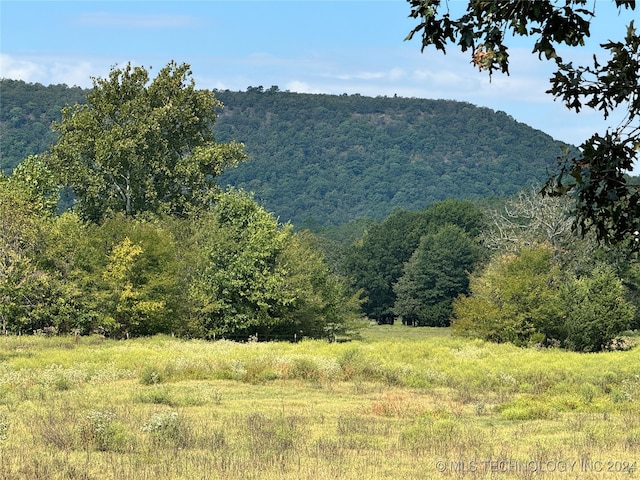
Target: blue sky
{"x":304,"y":46}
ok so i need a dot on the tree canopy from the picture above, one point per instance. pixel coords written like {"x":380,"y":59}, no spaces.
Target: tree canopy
{"x":140,"y":146}
{"x":377,"y":261}
{"x":325,"y":160}
{"x":596,"y":178}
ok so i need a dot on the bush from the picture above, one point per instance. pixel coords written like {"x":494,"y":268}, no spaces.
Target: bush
{"x":516,"y":299}
{"x":169,"y":428}
{"x":102,"y":431}
{"x":151,"y":375}
{"x":597,"y":313}
{"x":525,"y":299}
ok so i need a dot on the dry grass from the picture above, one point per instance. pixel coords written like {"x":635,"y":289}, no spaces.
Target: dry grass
{"x":401,"y":403}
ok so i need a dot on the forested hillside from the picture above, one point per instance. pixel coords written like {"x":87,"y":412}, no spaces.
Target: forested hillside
{"x":26,"y":113}
{"x":325,"y":159}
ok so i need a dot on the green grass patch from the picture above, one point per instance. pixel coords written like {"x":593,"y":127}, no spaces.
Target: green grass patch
{"x":390,"y":405}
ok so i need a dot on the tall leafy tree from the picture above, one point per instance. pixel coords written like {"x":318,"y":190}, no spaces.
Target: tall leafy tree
{"x":606,"y":202}
{"x":27,"y":203}
{"x":436,"y":274}
{"x":515,"y":299}
{"x":139,"y":145}
{"x":251,"y":275}
{"x":238,"y":284}
{"x":598,"y":312}
{"x":376,"y":262}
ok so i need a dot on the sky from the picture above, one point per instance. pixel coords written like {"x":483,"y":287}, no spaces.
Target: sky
{"x":311,"y":46}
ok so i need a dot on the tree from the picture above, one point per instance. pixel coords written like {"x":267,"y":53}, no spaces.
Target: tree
{"x":322,"y":307}
{"x":598,"y":312}
{"x":140,"y":146}
{"x":526,"y":298}
{"x":515,"y":299}
{"x":22,"y":223}
{"x":376,"y":262}
{"x":252,"y":275}
{"x":527,"y":219}
{"x":434,"y":276}
{"x":605,"y":201}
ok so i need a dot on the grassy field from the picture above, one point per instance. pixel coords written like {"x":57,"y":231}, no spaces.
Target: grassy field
{"x":400,"y":403}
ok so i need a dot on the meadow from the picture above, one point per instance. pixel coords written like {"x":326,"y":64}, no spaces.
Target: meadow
{"x":401,"y":402}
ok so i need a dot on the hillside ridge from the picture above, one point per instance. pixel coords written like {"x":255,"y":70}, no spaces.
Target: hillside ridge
{"x":319,"y":160}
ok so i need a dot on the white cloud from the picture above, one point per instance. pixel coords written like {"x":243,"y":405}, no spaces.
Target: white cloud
{"x":25,"y":70}
{"x":51,"y":69}
{"x":361,"y":76}
{"x":302,"y":87}
{"x":73,"y":74}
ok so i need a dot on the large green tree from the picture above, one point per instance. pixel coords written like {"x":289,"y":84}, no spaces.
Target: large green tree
{"x":606,"y":202}
{"x":526,"y":298}
{"x":514,"y":299}
{"x":376,"y":262}
{"x":436,"y":274}
{"x":139,"y":145}
{"x":27,"y":203}
{"x":252,"y":275}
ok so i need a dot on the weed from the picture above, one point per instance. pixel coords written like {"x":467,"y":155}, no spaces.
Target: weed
{"x":361,"y":425}
{"x":157,"y":396}
{"x":56,"y":428}
{"x":355,"y":364}
{"x":305,"y":368}
{"x":526,"y":408}
{"x":428,"y":434}
{"x":4,"y":427}
{"x":481,"y":408}
{"x":169,"y":429}
{"x":588,"y":392}
{"x":384,"y":407}
{"x":151,"y":375}
{"x":394,"y":404}
{"x":103,"y":432}
{"x":271,"y":438}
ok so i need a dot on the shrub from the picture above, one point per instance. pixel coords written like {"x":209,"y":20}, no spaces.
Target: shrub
{"x":151,"y":375}
{"x":598,"y":312}
{"x":102,"y":431}
{"x":525,"y":299}
{"x":169,"y":428}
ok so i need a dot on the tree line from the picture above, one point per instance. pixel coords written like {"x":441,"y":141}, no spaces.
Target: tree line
{"x":319,"y":160}
{"x":152,"y":245}
{"x":504,"y":271}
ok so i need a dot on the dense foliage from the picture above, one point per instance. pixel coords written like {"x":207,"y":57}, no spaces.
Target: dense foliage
{"x":436,"y":273}
{"x":325,"y":160}
{"x":152,"y":245}
{"x":544,"y":285}
{"x":377,"y":262}
{"x":232,"y":272}
{"x":141,"y":146}
{"x":605,"y":201}
{"x":527,"y":299}
{"x":27,"y":111}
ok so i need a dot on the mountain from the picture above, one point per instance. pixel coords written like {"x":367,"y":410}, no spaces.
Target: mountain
{"x":326,"y":159}
{"x":320,"y":160}
{"x":26,"y":113}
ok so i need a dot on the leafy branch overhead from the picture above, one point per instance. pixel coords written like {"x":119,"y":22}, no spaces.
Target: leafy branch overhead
{"x":597,"y":180}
